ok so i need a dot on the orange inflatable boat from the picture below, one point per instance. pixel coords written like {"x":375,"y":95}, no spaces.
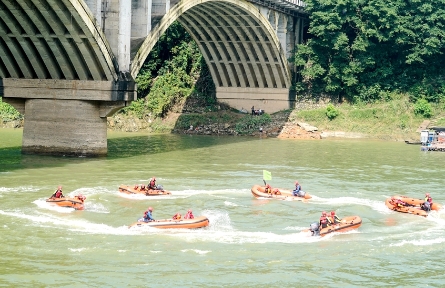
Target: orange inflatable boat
{"x":347,"y":223}
{"x":137,"y":189}
{"x":413,"y":205}
{"x":277,"y":193}
{"x":197,"y":222}
{"x":76,"y":202}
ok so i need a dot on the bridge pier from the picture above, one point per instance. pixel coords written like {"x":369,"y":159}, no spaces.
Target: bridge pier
{"x":66,"y":117}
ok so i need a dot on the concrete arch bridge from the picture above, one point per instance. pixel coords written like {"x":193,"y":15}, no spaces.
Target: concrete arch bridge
{"x":69,"y":64}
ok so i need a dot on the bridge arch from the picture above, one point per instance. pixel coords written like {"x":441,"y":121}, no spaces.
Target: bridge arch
{"x":53,"y":40}
{"x":238,"y":43}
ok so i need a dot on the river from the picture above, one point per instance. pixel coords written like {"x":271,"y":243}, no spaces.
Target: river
{"x":249,"y":242}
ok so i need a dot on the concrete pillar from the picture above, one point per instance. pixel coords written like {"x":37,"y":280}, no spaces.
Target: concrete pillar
{"x":281,"y":29}
{"x":64,"y":127}
{"x":124,"y":49}
{"x":140,"y":18}
{"x":159,"y":8}
{"x":96,"y":8}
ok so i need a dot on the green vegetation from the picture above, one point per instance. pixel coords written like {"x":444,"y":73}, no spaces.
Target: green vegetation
{"x":249,"y":124}
{"x":364,"y":51}
{"x":8,"y":113}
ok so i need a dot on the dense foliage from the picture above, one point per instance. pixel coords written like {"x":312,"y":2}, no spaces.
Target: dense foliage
{"x":364,"y":50}
{"x":8,"y":113}
{"x":170,"y":73}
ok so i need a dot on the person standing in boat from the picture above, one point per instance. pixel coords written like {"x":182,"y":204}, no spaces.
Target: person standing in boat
{"x":297,"y":191}
{"x":334,"y":218}
{"x":148,"y":217}
{"x":58,"y":193}
{"x":152,"y":184}
{"x":189,"y":215}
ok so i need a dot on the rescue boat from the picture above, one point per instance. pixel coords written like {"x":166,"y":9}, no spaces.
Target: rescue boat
{"x":138,"y":189}
{"x":277,"y":193}
{"x":197,"y":222}
{"x":412,"y":207}
{"x":76,"y":202}
{"x":347,"y":223}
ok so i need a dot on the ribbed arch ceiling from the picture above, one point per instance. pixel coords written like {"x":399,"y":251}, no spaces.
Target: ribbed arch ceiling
{"x":52,"y":39}
{"x":238,"y":44}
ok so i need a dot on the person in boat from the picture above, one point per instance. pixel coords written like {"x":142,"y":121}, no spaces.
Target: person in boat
{"x":428,"y":204}
{"x":276,"y":191}
{"x":177,"y":216}
{"x":268,"y":189}
{"x":189,"y":215}
{"x":297,"y":191}
{"x":427,"y":195}
{"x":152,"y":184}
{"x":58,"y":193}
{"x":398,"y":203}
{"x":324,"y":220}
{"x":334,"y":218}
{"x":148,"y":216}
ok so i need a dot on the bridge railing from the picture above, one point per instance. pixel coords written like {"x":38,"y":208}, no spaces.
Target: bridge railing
{"x":296,"y":2}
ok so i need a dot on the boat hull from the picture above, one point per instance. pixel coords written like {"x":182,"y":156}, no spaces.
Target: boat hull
{"x":347,"y":224}
{"x":75,"y":202}
{"x":197,"y":222}
{"x":131,"y":190}
{"x":414,"y":207}
{"x":259,"y":192}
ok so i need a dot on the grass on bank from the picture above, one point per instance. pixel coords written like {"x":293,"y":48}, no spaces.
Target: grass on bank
{"x":395,"y":119}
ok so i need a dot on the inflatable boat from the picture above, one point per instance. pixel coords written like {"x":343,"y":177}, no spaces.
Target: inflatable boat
{"x":76,"y":202}
{"x":277,"y":193}
{"x":413,"y":205}
{"x":347,"y":223}
{"x":197,"y":222}
{"x":139,"y":189}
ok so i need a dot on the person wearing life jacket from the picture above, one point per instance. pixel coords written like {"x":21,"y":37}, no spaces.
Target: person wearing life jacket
{"x":177,"y":216}
{"x":334,"y":218}
{"x":398,"y":203}
{"x":276,"y":191}
{"x":81,"y":197}
{"x":268,"y":189}
{"x":148,"y":217}
{"x":324,"y":220}
{"x":152,"y":184}
{"x":189,"y":215}
{"x":427,"y":195}
{"x":58,"y":193}
{"x":296,"y":191}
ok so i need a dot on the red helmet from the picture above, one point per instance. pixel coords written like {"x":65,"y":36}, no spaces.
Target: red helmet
{"x":150,"y":209}
{"x":154,"y":178}
{"x":60,"y":187}
{"x":190,"y":211}
{"x":323,"y":213}
{"x":268,"y":186}
{"x":332,"y":213}
{"x":427,"y":194}
{"x":296,"y":182}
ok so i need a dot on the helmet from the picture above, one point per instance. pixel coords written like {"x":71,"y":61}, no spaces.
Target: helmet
{"x":268,"y":186}
{"x":427,"y":194}
{"x":332,"y":213}
{"x":296,"y":181}
{"x":150,"y":209}
{"x":154,"y":178}
{"x":323,"y":213}
{"x":60,"y":187}
{"x":190,"y":211}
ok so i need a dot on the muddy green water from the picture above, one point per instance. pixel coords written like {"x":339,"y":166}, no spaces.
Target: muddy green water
{"x":249,"y":243}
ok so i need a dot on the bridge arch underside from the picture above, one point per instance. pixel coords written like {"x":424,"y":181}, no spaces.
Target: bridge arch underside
{"x":246,"y":61}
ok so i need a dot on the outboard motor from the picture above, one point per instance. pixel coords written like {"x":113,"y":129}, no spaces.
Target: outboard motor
{"x":301,"y":193}
{"x":426,"y":206}
{"x":159,"y":187}
{"x":315,"y":229}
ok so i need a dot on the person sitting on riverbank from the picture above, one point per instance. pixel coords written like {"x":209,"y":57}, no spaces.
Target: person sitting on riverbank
{"x":152,"y":184}
{"x":58,"y":193}
{"x":334,"y":218}
{"x":189,"y":215}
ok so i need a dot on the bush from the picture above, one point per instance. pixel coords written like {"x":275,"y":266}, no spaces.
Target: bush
{"x":423,"y":108}
{"x":249,"y":124}
{"x":8,"y":112}
{"x":331,"y":111}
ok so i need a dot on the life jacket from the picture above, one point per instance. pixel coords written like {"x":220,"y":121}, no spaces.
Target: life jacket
{"x":268,"y":190}
{"x":58,"y":194}
{"x":177,"y":216}
{"x":152,"y":184}
{"x":323,"y":221}
{"x":430,"y":200}
{"x":276,"y":191}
